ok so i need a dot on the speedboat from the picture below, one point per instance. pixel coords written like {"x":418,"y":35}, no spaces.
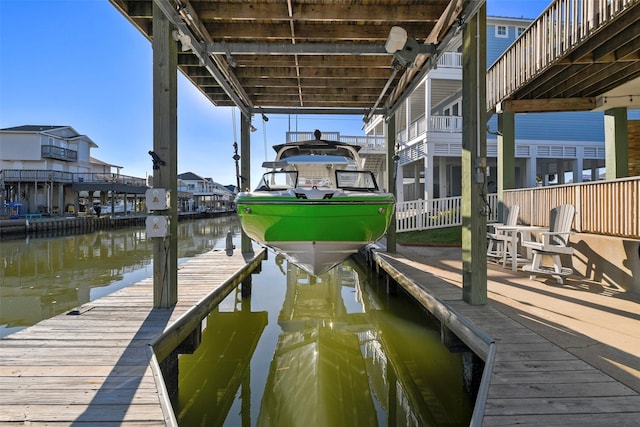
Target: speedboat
{"x":315,"y":206}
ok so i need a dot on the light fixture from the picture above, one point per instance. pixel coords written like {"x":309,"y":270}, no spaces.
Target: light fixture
{"x":184,"y":40}
{"x":264,"y":118}
{"x":253,"y":128}
{"x":403,"y":48}
{"x":396,"y":40}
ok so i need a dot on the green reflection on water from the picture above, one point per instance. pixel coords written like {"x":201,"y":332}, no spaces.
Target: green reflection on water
{"x":327,"y":351}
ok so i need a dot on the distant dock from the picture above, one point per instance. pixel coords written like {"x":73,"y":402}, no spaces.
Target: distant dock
{"x":36,"y":224}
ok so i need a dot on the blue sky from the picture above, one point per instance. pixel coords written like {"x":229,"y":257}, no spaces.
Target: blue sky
{"x":81,"y":63}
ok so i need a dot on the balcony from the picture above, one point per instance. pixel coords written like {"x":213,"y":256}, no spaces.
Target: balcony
{"x":59,"y":153}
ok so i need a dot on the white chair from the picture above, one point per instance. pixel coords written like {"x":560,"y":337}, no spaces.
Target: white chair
{"x":553,"y":243}
{"x":498,"y":240}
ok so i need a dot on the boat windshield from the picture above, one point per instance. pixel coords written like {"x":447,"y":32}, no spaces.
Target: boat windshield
{"x":278,"y":180}
{"x":356,"y":180}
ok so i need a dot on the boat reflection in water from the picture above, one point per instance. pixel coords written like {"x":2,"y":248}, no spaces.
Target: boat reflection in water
{"x":339,"y":355}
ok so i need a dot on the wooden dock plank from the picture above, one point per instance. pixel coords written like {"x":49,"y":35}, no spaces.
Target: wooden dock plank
{"x":93,"y":365}
{"x":533,"y":381}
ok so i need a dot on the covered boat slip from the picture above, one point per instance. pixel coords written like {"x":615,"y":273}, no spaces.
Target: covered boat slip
{"x":311,"y":57}
{"x":99,"y":364}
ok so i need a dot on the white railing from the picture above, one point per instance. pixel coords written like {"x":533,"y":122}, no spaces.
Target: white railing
{"x":445,"y":124}
{"x":450,"y":60}
{"x":365,"y":141}
{"x":418,"y":128}
{"x":560,"y":28}
{"x":417,"y":215}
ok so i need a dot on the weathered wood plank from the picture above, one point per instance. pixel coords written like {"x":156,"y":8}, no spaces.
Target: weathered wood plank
{"x":586,"y":389}
{"x":82,"y":413}
{"x":563,"y":420}
{"x":533,"y":382}
{"x":93,"y":366}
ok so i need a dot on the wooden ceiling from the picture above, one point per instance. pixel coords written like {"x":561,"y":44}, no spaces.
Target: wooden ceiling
{"x":303,"y":55}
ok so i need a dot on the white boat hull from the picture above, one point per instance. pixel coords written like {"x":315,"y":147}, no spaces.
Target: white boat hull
{"x":316,"y":258}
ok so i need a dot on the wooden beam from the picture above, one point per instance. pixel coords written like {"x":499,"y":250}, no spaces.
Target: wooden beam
{"x":165,"y":146}
{"x":310,"y":72}
{"x":416,"y":12}
{"x":391,"y":179}
{"x":313,"y":82}
{"x":333,"y":32}
{"x":474,"y":153}
{"x":245,"y":171}
{"x":339,"y":61}
{"x":547,"y":105}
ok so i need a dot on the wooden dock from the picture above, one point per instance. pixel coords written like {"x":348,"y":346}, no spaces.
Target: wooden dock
{"x":97,"y":364}
{"x":556,"y":349}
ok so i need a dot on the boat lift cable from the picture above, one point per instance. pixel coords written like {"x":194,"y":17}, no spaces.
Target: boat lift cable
{"x":265,"y":119}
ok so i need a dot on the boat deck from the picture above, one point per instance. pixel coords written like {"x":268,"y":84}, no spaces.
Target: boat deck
{"x":564,"y":354}
{"x":96,"y":365}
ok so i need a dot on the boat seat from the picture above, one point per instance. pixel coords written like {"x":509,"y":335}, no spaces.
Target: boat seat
{"x":553,"y":243}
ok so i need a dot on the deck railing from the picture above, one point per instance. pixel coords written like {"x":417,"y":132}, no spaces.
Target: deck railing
{"x":560,"y":28}
{"x":417,"y":215}
{"x":602,"y":207}
{"x":609,"y":208}
{"x":46,"y":175}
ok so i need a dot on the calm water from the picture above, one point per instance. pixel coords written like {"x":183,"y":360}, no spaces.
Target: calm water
{"x":43,"y":277}
{"x":301,"y":351}
{"x":327,"y":351}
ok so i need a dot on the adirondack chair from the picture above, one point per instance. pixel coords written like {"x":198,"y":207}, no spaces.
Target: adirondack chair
{"x":498,"y":240}
{"x":554,"y":243}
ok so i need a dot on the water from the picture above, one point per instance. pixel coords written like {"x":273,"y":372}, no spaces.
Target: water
{"x":327,"y":351}
{"x":301,"y":351}
{"x":44,"y":277}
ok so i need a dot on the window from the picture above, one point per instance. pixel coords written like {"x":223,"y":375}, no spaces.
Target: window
{"x":501,"y":31}
{"x":454,"y":110}
{"x":519,"y":31}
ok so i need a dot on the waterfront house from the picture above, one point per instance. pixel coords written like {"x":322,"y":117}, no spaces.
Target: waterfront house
{"x":206,"y":194}
{"x":550,"y":148}
{"x":49,"y":170}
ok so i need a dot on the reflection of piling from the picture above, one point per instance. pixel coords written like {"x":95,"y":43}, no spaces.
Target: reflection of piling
{"x":230,"y":246}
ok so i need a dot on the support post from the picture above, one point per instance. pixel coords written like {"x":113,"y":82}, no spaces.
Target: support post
{"x":616,"y":143}
{"x":391,"y":179}
{"x":506,"y":157}
{"x":245,"y":171}
{"x":165,"y":146}
{"x":474,"y":153}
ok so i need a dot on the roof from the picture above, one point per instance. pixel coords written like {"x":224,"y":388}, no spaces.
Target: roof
{"x":95,"y":161}
{"x":62,"y":132}
{"x":32,"y":128}
{"x":302,"y":55}
{"x":190,"y":176}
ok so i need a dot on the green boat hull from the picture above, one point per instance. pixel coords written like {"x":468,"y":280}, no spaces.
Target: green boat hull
{"x":349,"y":219}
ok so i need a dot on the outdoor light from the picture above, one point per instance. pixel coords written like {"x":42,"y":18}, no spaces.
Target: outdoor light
{"x":396,"y":40}
{"x":403,"y":48}
{"x":184,"y":40}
